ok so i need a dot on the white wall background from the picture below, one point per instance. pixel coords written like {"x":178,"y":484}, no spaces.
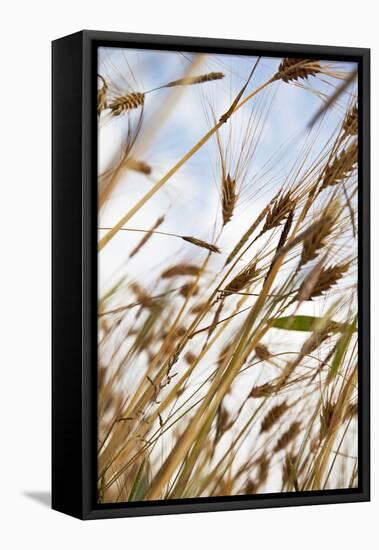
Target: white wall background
{"x":27,"y":29}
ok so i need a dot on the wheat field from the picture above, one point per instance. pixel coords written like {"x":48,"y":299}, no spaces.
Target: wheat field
{"x":227,"y":256}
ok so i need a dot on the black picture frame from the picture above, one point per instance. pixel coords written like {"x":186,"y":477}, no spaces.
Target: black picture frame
{"x":74,"y":274}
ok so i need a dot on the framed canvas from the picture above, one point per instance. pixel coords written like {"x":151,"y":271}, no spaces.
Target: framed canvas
{"x":210,"y":275}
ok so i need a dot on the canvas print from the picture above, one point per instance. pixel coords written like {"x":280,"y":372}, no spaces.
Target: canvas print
{"x":227,"y":275}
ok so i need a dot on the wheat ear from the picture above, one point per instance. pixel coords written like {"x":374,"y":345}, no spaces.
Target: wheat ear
{"x":229,"y":198}
{"x":123,"y":103}
{"x":292,"y":69}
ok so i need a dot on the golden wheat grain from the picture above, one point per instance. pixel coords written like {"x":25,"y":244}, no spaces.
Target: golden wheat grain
{"x":240,"y":281}
{"x":189,"y":290}
{"x":223,"y":422}
{"x":289,"y":469}
{"x":277,"y":213}
{"x":191,"y":80}
{"x":341,"y":167}
{"x":350,"y":124}
{"x":181,"y":269}
{"x":264,"y":390}
{"x":138,"y":165}
{"x":229,"y":198}
{"x":273,"y":415}
{"x":326,"y":418}
{"x":263,"y":470}
{"x":246,"y":236}
{"x":201,"y":244}
{"x":292,"y":69}
{"x":327,"y":278}
{"x":102,"y":96}
{"x":282,"y":241}
{"x":288,"y":436}
{"x":286,"y":229}
{"x":351,"y":411}
{"x":123,"y":103}
{"x":199,"y":308}
{"x":250,"y":487}
{"x":262,"y":352}
{"x":316,"y":241}
{"x":316,"y":339}
{"x":142,"y":296}
{"x":190,"y":357}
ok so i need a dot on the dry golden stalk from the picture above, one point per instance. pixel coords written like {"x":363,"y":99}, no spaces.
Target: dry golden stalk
{"x":327,"y":278}
{"x":350,"y":124}
{"x":181,"y":269}
{"x":316,"y":241}
{"x":124,"y":103}
{"x":229,"y":198}
{"x":146,"y":237}
{"x":262,"y":352}
{"x":224,"y":354}
{"x":292,"y":69}
{"x":201,"y":244}
{"x":246,"y":236}
{"x":102,"y":96}
{"x":326,"y":418}
{"x":281,"y":208}
{"x":190,"y":80}
{"x":139,"y":166}
{"x":341,"y":167}
{"x":241,"y":280}
{"x":288,"y":436}
{"x":265,"y":390}
{"x":273,"y":416}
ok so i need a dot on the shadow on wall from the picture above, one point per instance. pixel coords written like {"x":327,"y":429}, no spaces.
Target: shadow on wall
{"x":41,"y":497}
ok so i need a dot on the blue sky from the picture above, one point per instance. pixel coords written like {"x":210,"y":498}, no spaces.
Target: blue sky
{"x":194,"y":189}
